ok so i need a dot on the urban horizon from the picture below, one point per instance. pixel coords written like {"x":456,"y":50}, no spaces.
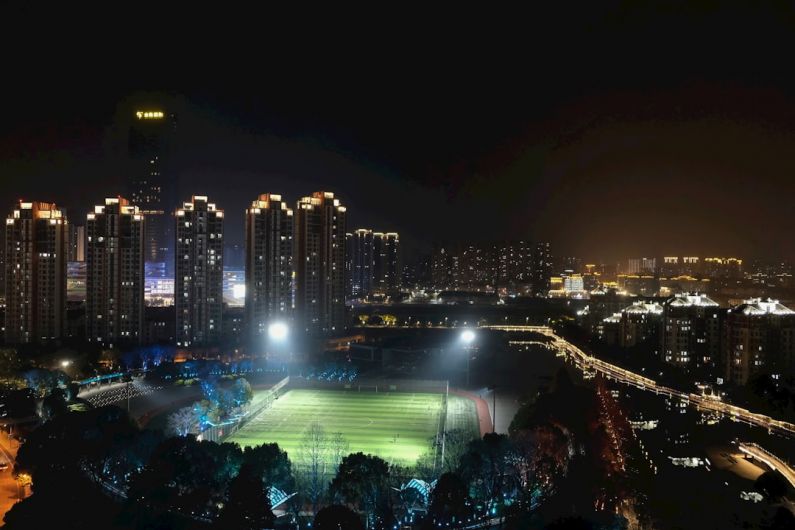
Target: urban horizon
{"x":516,"y":271}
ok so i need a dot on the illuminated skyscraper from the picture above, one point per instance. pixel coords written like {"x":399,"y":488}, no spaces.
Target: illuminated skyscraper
{"x":386,"y":276}
{"x":115,"y":273}
{"x":691,"y":331}
{"x":269,"y":264}
{"x":372,"y":262}
{"x":359,"y":255}
{"x":759,"y":337}
{"x":152,"y":181}
{"x":641,"y":266}
{"x":77,"y":243}
{"x":35,"y":276}
{"x":199,"y":272}
{"x":320,"y":264}
{"x":540,"y":268}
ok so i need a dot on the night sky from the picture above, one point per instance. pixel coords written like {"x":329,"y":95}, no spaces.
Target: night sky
{"x":608,"y":130}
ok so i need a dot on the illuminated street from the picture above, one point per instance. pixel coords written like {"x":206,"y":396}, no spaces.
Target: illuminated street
{"x":585,"y":361}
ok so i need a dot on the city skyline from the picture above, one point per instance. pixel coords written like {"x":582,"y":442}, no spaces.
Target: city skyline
{"x":398,"y":269}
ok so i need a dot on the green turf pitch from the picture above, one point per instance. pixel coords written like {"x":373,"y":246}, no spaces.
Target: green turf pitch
{"x":398,"y":427}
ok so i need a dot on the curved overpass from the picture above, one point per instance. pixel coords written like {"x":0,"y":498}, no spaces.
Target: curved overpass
{"x":772,"y":461}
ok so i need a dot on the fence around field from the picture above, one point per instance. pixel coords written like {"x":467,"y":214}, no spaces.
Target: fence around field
{"x":374,"y":385}
{"x":218,"y":433}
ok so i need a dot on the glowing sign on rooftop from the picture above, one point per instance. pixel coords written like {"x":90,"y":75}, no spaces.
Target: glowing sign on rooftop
{"x":149,"y":115}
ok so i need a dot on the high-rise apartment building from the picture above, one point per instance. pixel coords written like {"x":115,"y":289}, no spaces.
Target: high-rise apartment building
{"x":35,"y":274}
{"x":444,"y":268}
{"x":478,"y":267}
{"x":540,"y":268}
{"x":268,"y":264}
{"x":152,"y":181}
{"x":115,"y":273}
{"x":670,"y":267}
{"x":199,"y":272}
{"x":359,"y":262}
{"x":76,"y":250}
{"x":641,"y":266}
{"x":386,"y":270}
{"x":759,"y":337}
{"x":691,"y":331}
{"x":638,"y":324}
{"x":723,"y":268}
{"x":320,"y":264}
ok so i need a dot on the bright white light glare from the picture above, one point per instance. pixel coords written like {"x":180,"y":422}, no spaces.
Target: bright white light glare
{"x":277,"y":331}
{"x":467,"y":336}
{"x":239,"y":291}
{"x":65,"y":363}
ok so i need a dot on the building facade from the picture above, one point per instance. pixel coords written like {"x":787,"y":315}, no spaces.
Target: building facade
{"x":268,"y":264}
{"x":540,"y":268}
{"x":359,"y":262}
{"x":115,"y":273}
{"x":35,"y":274}
{"x":77,"y":243}
{"x":759,"y":337}
{"x":320,"y":264}
{"x":152,"y":182}
{"x":386,"y":268}
{"x":199,"y":272}
{"x":639,"y":324}
{"x":691,"y":331}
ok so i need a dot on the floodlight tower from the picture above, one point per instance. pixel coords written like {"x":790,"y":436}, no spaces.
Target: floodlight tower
{"x":278,"y":336}
{"x":467,"y":339}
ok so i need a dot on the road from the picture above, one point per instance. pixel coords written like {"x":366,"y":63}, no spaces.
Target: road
{"x":768,"y":458}
{"x":611,"y":371}
{"x":10,"y":489}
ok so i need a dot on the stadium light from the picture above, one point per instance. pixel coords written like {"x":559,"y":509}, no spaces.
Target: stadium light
{"x":277,"y":331}
{"x":467,"y":336}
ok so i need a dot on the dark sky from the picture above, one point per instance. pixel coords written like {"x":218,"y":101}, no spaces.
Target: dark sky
{"x":609,"y":130}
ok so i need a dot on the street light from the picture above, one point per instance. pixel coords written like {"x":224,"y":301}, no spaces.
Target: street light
{"x":277,"y":331}
{"x":65,"y":363}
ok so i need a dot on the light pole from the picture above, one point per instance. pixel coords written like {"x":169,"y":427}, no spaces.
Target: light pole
{"x":277,"y":334}
{"x":468,"y":338}
{"x":493,"y":389}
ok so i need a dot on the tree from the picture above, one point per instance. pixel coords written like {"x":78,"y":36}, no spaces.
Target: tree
{"x":64,"y":457}
{"x":449,"y":500}
{"x":271,"y":464}
{"x":455,"y":446}
{"x":313,"y":454}
{"x":337,"y":517}
{"x":242,"y":392}
{"x":181,"y":422}
{"x":488,"y":467}
{"x":339,"y":449}
{"x":363,"y":480}
{"x":10,"y":362}
{"x":206,"y":413}
{"x":247,"y":506}
{"x":183,"y":476}
{"x":54,"y":404}
{"x":772,"y":485}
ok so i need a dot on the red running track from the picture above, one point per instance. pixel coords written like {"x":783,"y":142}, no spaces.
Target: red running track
{"x":484,"y":416}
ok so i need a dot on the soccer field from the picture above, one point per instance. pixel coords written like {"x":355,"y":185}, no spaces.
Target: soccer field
{"x":398,"y":427}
